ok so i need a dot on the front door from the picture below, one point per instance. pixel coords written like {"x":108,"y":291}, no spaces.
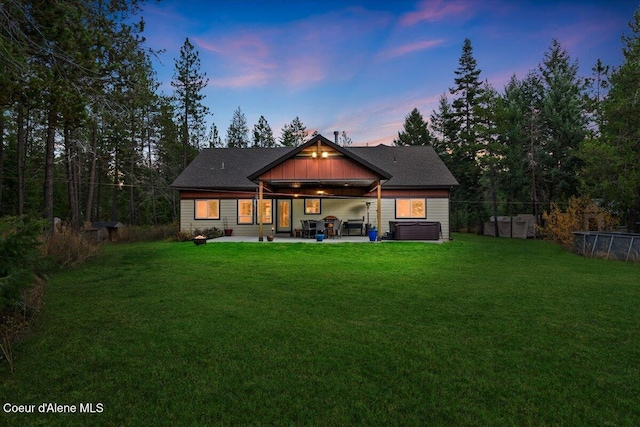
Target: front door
{"x":283,"y":221}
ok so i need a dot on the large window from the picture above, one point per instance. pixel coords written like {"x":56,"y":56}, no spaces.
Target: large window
{"x":245,"y":211}
{"x":411,"y":208}
{"x":207,"y":209}
{"x":267,"y":211}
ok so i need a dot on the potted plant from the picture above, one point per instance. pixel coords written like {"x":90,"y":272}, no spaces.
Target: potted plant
{"x":270,"y":236}
{"x":373,"y":234}
{"x":227,"y":230}
{"x":320,"y":236}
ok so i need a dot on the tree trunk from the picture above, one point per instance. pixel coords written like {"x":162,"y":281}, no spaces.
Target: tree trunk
{"x":72,"y":188}
{"x":48,"y":168}
{"x":152,"y":174}
{"x":88,"y":215}
{"x":116,"y":187}
{"x":1,"y":155}
{"x":21,"y":155}
{"x":132,"y":160}
{"x":494,"y":201}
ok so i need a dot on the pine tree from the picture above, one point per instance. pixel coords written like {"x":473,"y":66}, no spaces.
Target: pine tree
{"x":564,"y":123}
{"x":262,"y":134}
{"x":465,"y":148}
{"x":345,"y":140}
{"x":597,"y":86}
{"x":293,"y":134}
{"x":491,"y":154}
{"x":443,"y":128}
{"x":415,"y":130}
{"x":521,"y":130}
{"x":238,"y":131}
{"x":467,"y":92}
{"x":189,"y":83}
{"x":612,"y":169}
{"x":214,"y":137}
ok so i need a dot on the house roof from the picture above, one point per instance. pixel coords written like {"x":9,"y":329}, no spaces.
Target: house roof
{"x":236,"y":168}
{"x":319,"y":138}
{"x":409,"y":166}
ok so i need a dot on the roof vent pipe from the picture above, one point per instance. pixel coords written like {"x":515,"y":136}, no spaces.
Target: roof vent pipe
{"x":335,"y":134}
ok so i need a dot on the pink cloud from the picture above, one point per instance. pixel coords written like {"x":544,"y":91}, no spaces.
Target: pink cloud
{"x":295,"y":54}
{"x":435,"y":10}
{"x":247,"y":56}
{"x":410,"y":48}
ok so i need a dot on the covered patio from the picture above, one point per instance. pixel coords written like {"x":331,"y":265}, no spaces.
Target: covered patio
{"x":316,"y":171}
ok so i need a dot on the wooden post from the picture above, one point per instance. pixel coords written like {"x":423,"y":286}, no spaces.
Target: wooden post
{"x":379,"y":210}
{"x":260,"y":234}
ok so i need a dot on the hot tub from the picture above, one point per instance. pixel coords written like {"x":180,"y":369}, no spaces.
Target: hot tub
{"x":415,"y":230}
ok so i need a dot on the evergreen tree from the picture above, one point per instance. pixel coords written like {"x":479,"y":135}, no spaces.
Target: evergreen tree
{"x":189,"y":83}
{"x":214,"y":137}
{"x":564,"y":124}
{"x":262,"y":134}
{"x":293,"y":134}
{"x":443,"y":128}
{"x":492,"y":152}
{"x":415,"y":130}
{"x":612,"y":162}
{"x":238,"y":131}
{"x":465,"y":148}
{"x":345,"y":140}
{"x":521,"y":128}
{"x":597,"y":86}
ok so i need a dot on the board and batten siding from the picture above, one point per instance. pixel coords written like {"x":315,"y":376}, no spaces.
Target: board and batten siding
{"x":344,"y":209}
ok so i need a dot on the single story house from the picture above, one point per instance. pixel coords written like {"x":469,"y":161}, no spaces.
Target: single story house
{"x":224,"y":187}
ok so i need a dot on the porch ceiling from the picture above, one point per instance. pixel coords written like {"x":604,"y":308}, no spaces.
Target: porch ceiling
{"x":322,"y":188}
{"x":310,"y":183}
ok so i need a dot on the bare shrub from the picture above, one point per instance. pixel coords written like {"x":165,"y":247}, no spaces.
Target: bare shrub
{"x":147,"y":233}
{"x":68,"y":248}
{"x":183,"y":236}
{"x":14,"y":321}
{"x":582,"y":214}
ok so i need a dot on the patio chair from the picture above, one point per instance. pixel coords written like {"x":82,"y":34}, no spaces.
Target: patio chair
{"x":306,"y":228}
{"x":337,"y":227}
{"x":333,"y":228}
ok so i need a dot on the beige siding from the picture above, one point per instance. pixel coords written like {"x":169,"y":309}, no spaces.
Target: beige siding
{"x":437,"y":210}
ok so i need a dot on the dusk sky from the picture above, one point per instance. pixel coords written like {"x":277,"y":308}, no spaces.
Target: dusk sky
{"x":362,"y":66}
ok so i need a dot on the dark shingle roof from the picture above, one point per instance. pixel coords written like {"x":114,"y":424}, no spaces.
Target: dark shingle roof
{"x":409,"y":166}
{"x":228,"y":168}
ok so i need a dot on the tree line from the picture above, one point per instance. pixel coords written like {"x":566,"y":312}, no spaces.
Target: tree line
{"x":86,"y":135}
{"x":545,"y":138}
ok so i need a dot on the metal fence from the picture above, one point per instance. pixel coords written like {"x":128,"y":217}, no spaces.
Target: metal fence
{"x":623,"y":246}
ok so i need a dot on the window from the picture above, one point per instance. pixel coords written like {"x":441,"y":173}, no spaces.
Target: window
{"x":267,"y":212}
{"x":208,"y":209}
{"x":411,"y":208}
{"x":312,"y":207}
{"x":245,"y":211}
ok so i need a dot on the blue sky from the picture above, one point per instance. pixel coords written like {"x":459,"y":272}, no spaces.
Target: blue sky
{"x":362,"y":66}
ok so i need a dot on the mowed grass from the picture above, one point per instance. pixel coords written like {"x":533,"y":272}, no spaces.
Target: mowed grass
{"x":478,"y":331}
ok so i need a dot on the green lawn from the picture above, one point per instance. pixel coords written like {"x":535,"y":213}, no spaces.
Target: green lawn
{"x":478,"y":331}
